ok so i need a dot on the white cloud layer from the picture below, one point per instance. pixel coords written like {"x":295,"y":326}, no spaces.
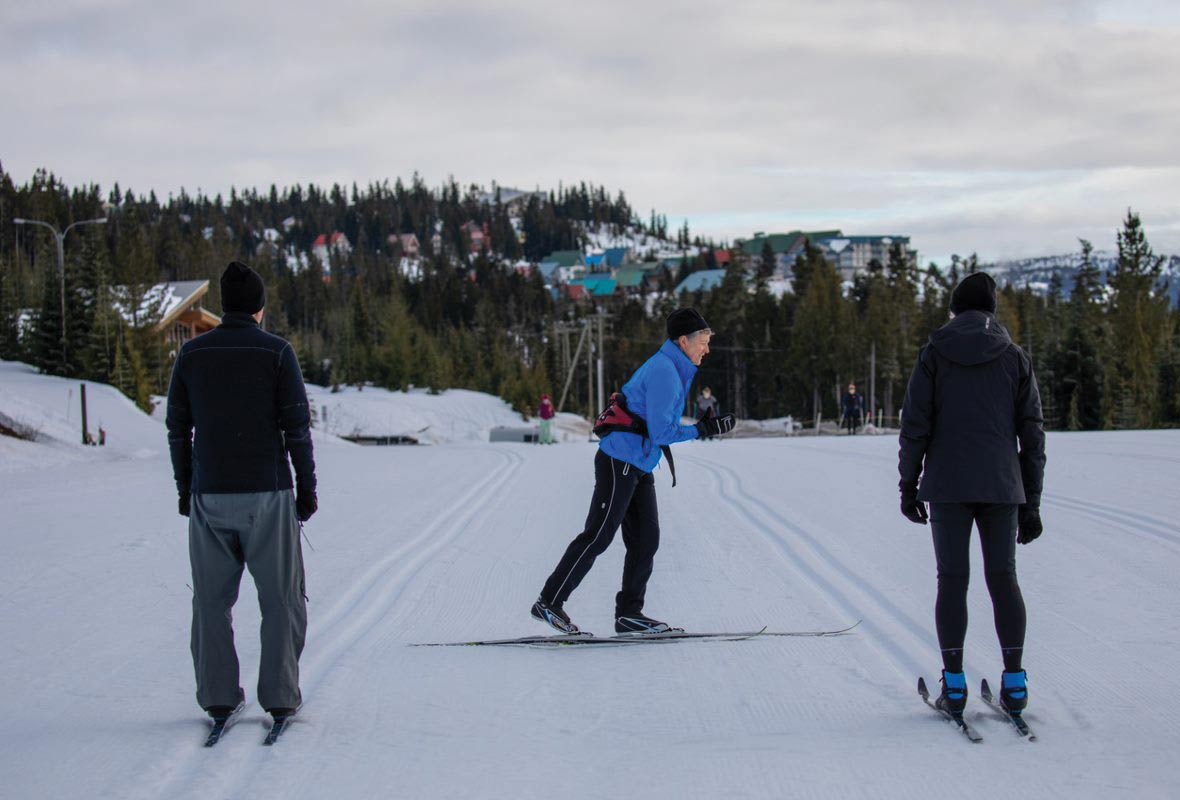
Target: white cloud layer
{"x":976,"y":126}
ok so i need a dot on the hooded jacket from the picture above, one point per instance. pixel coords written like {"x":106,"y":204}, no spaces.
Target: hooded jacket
{"x":656,"y":392}
{"x":971,"y":426}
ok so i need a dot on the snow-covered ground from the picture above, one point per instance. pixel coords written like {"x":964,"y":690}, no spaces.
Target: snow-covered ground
{"x":452,"y":542}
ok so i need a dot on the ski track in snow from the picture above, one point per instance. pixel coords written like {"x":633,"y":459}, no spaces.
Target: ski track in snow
{"x":365,"y":606}
{"x":452,"y":542}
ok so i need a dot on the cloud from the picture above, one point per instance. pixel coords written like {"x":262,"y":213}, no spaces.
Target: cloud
{"x":960,"y":123}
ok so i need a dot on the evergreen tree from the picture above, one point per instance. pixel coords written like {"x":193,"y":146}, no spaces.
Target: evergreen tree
{"x":816,"y":327}
{"x":1139,"y":316}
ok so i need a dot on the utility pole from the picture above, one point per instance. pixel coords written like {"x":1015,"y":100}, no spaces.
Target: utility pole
{"x":589,"y":372}
{"x":873,"y":381}
{"x":573,"y":364}
{"x":60,"y":237}
{"x":601,"y":363}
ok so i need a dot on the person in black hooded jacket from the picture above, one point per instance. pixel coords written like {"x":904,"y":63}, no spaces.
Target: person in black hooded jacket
{"x":973,"y":447}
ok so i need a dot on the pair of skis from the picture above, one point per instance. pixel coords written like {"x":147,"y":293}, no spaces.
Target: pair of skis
{"x":221,"y":725}
{"x":590,"y":640}
{"x":964,"y":727}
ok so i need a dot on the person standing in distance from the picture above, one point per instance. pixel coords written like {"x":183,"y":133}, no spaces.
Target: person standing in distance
{"x":240,"y":390}
{"x":624,"y":488}
{"x":546,"y":413}
{"x":973,"y":447}
{"x":853,"y":409}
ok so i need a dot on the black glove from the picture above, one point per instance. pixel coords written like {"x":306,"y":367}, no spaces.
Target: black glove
{"x":305,"y":504}
{"x":184,"y":504}
{"x":911,"y":508}
{"x":1029,"y":524}
{"x":710,"y":425}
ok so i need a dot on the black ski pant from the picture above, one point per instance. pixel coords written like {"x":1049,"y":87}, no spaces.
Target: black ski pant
{"x":951,"y":524}
{"x":626,"y":495}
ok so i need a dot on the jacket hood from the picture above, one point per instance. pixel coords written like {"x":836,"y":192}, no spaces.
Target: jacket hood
{"x":971,"y":338}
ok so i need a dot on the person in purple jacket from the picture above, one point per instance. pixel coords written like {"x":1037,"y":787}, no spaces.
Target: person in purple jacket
{"x":624,"y":489}
{"x":546,"y":413}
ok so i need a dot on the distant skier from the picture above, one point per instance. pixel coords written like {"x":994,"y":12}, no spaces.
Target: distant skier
{"x":971,"y":399}
{"x":624,"y":491}
{"x":241,"y":389}
{"x":546,"y":413}
{"x":852,"y":408}
{"x":706,"y":405}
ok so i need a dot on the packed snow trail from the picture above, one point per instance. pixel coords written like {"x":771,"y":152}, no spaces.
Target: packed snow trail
{"x":452,"y":542}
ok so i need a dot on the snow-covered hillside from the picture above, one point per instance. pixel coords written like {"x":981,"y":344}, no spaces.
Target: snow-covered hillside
{"x":1039,"y":272}
{"x":452,"y":542}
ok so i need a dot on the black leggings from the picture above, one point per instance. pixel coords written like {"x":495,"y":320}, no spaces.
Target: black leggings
{"x":623,"y":495}
{"x":951,"y":526}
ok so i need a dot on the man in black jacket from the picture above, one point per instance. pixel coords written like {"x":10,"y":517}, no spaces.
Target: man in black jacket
{"x":241,"y":389}
{"x":971,"y":400}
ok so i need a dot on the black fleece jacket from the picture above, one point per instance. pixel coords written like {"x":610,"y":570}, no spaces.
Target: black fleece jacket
{"x":241,"y":389}
{"x":971,"y":426}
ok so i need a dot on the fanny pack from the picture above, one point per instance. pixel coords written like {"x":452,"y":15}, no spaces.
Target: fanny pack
{"x":617,"y":418}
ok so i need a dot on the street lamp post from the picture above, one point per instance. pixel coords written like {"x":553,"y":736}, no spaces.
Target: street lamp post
{"x":60,"y":238}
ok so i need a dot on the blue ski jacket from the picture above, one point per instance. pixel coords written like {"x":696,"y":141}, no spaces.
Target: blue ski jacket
{"x":656,"y":392}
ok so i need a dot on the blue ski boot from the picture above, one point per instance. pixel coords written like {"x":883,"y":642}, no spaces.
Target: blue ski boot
{"x":1014,"y":691}
{"x":954,"y":693}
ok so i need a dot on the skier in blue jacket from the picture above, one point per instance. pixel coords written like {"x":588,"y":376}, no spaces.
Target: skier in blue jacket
{"x":624,"y":490}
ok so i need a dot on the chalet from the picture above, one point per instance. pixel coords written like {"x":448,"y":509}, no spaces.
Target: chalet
{"x":411,"y":248}
{"x":329,"y":244}
{"x":785,"y":246}
{"x":705,"y":280}
{"x":641,"y":276}
{"x":176,"y":310}
{"x":566,"y":258}
{"x":617,"y":256}
{"x":596,"y":288}
{"x":478,"y":235}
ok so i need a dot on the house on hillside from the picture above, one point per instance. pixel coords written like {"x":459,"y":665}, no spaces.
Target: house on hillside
{"x":176,"y":310}
{"x":595,"y":288}
{"x":411,"y":247}
{"x":639,"y":277}
{"x":853,"y":254}
{"x":617,"y":256}
{"x":566,"y":258}
{"x":326,"y":245}
{"x":478,"y":234}
{"x":785,"y":246}
{"x":705,"y":280}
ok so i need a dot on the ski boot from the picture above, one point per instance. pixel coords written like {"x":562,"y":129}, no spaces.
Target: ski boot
{"x":1014,"y":691}
{"x":954,"y":693}
{"x":637,"y":623}
{"x":553,"y":616}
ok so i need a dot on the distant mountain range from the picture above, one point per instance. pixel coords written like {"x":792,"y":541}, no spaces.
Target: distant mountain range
{"x":1038,"y":272}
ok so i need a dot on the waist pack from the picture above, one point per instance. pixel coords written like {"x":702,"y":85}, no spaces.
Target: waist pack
{"x":616,"y":418}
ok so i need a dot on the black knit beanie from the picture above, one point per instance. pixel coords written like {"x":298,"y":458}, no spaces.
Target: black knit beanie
{"x":976,"y":292}
{"x":242,"y":289}
{"x":685,"y":321}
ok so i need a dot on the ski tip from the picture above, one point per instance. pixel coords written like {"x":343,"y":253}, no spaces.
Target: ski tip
{"x":922,"y":690}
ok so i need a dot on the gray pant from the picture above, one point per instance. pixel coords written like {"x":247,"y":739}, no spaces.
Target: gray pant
{"x":258,"y":530}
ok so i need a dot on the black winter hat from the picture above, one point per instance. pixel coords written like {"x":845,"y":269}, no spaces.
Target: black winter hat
{"x":976,"y":292}
{"x":242,"y":289}
{"x":685,"y":321}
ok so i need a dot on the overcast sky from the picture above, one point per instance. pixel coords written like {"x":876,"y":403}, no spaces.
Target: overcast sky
{"x":1008,"y":128}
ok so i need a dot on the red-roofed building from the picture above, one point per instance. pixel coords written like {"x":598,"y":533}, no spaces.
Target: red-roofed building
{"x":325,"y":245}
